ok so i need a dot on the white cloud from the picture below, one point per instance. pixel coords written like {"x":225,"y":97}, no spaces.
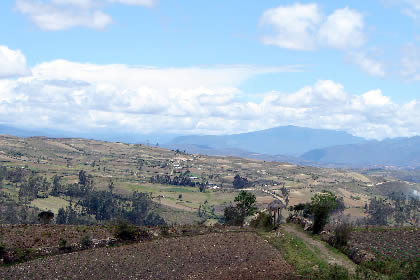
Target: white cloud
{"x":367,"y":64}
{"x":12,"y":63}
{"x":83,"y":97}
{"x":65,"y":14}
{"x":146,"y":3}
{"x":294,"y":26}
{"x":304,"y":27}
{"x":343,"y":29}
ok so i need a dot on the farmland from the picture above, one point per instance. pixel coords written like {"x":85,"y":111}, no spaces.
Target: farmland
{"x":391,"y":243}
{"x":131,"y":167}
{"x":212,"y":256}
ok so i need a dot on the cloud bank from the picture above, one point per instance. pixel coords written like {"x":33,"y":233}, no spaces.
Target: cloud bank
{"x":82,"y":97}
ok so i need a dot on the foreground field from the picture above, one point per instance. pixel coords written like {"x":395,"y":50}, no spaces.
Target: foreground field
{"x":393,"y":243}
{"x":240,"y":255}
{"x":38,"y":236}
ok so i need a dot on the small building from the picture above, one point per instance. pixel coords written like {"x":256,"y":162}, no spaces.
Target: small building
{"x":275,"y":209}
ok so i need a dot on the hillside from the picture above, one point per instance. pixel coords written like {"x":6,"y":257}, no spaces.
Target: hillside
{"x":140,"y":168}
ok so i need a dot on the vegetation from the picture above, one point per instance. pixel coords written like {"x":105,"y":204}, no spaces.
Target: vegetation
{"x":307,"y":263}
{"x":342,"y":233}
{"x":240,"y":183}
{"x":322,"y":205}
{"x":263,"y":221}
{"x":245,"y":206}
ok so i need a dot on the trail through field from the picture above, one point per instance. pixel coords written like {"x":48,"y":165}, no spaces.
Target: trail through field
{"x":323,"y":252}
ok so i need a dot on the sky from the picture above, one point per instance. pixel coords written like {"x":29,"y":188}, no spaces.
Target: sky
{"x":211,"y":67}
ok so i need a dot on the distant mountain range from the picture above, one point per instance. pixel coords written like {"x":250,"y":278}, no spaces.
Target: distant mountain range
{"x":283,"y":140}
{"x":305,"y":146}
{"x":398,"y":152}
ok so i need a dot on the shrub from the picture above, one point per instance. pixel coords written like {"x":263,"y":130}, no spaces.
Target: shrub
{"x":263,"y":221}
{"x":321,"y":206}
{"x":125,"y":231}
{"x":337,"y":272}
{"x":62,"y":244}
{"x":2,"y":250}
{"x":233,"y":216}
{"x":86,"y":241}
{"x":342,"y":233}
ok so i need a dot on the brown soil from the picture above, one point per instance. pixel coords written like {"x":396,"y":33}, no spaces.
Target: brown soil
{"x":398,"y":243}
{"x":37,"y":236}
{"x":212,"y":256}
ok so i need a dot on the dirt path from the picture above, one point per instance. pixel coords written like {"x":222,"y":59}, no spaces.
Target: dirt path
{"x":324,"y":252}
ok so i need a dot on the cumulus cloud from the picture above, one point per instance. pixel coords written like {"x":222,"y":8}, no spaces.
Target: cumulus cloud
{"x":304,"y":27}
{"x":12,"y":63}
{"x":343,"y":29}
{"x":65,"y":14}
{"x":367,"y":64}
{"x":294,"y":27}
{"x":82,"y":97}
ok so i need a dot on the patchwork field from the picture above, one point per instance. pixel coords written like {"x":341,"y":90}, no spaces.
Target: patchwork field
{"x":130,"y":167}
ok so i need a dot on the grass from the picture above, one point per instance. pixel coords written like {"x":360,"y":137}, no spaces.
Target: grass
{"x":295,"y":252}
{"x":51,"y":203}
{"x":191,"y":197}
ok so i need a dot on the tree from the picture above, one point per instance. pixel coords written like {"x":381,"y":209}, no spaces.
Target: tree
{"x":239,"y":182}
{"x":245,"y":206}
{"x":233,"y":216}
{"x":246,"y":202}
{"x":82,"y":178}
{"x":61,"y":218}
{"x":322,"y":204}
{"x":56,"y":189}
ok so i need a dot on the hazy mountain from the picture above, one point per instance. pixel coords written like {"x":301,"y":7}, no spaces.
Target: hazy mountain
{"x":284,"y":140}
{"x":97,"y":134}
{"x":400,"y":152}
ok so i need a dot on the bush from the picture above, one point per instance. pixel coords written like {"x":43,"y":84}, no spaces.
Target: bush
{"x":2,"y":250}
{"x":263,"y":221}
{"x":342,"y":233}
{"x":234,"y":216}
{"x":125,"y":231}
{"x":86,"y":241}
{"x":321,"y":206}
{"x":62,"y":244}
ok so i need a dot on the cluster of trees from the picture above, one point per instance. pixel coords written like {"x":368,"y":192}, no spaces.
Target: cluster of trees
{"x":398,"y":209}
{"x":183,"y":179}
{"x":87,"y":206}
{"x":320,"y":208}
{"x":240,"y":182}
{"x":106,"y":206}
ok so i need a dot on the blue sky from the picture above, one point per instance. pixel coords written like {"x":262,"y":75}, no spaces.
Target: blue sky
{"x":211,"y":66}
